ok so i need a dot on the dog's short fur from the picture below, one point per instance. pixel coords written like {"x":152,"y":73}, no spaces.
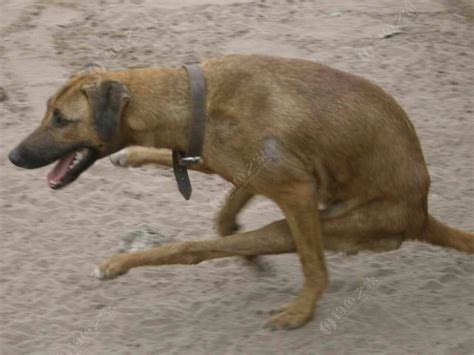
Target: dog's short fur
{"x":335,"y":152}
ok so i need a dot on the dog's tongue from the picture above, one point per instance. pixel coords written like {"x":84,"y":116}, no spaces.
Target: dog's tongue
{"x":60,"y":169}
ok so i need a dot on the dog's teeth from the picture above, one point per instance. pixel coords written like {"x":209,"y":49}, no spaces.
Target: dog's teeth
{"x":77,"y":158}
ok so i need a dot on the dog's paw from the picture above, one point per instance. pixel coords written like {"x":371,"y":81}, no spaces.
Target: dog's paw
{"x":279,"y":309}
{"x":290,"y":317}
{"x":111,"y":268}
{"x":120,"y":158}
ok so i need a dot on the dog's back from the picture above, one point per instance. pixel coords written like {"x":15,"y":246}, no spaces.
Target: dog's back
{"x":357,"y":141}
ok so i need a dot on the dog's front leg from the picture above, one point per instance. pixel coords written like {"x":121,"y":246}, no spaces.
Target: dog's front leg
{"x":274,"y":238}
{"x":135,"y":156}
{"x":227,"y":216}
{"x":226,"y":219}
{"x":300,"y":206}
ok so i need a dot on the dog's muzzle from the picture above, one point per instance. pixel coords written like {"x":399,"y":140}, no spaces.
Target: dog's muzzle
{"x":15,"y":157}
{"x":24,"y":158}
{"x":40,"y":149}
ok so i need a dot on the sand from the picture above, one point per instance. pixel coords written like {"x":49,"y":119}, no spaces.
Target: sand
{"x":415,"y":300}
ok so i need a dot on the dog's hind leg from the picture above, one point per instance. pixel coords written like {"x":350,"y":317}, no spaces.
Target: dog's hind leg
{"x":338,"y":234}
{"x":274,"y":238}
{"x":377,"y":226}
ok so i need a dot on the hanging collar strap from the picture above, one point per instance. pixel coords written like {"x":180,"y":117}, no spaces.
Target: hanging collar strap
{"x":181,"y":160}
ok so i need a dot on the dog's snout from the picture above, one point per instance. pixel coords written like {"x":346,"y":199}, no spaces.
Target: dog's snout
{"x":25,"y":157}
{"x":15,"y":157}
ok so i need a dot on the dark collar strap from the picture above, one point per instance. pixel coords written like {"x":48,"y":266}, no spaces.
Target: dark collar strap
{"x":181,"y":160}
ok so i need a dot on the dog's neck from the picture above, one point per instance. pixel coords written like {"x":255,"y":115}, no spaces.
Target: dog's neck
{"x":159,"y":113}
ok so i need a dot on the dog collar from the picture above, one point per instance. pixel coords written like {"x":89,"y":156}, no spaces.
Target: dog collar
{"x":181,"y":160}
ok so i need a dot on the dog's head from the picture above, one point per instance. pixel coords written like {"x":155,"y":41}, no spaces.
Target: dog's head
{"x":82,"y":124}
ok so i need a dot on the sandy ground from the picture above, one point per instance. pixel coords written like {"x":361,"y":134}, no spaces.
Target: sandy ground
{"x":418,"y":299}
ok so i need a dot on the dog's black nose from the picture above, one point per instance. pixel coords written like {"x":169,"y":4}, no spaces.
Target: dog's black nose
{"x":16,"y":157}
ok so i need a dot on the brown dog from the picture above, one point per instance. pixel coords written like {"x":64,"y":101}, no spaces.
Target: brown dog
{"x":335,"y":152}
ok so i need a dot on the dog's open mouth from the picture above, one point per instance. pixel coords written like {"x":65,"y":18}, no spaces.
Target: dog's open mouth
{"x":70,"y":166}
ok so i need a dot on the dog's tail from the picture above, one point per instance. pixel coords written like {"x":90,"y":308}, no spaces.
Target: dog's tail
{"x":440,"y":234}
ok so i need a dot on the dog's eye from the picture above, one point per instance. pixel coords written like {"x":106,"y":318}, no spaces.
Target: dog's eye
{"x":60,"y":121}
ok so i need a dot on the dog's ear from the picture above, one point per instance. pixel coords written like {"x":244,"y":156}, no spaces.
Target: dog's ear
{"x":107,"y":101}
{"x":88,"y":69}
